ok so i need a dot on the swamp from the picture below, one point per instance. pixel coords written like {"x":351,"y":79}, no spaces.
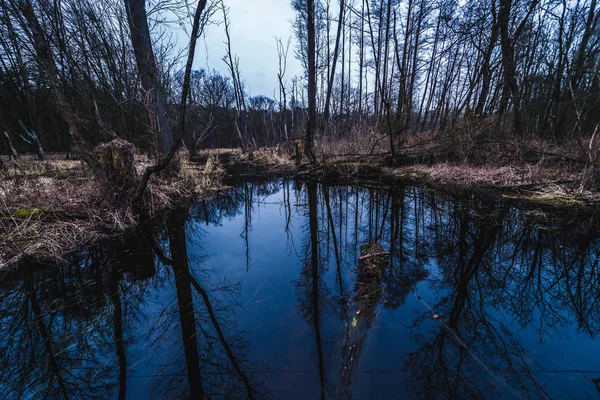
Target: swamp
{"x":264,"y":291}
{"x":299,"y":199}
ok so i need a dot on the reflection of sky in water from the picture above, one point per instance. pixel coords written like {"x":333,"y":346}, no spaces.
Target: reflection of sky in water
{"x":502,"y":289}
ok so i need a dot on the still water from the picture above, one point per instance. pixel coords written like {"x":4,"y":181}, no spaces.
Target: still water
{"x":261,"y":292}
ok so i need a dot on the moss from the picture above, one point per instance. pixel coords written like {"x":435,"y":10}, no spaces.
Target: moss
{"x":412,"y":175}
{"x":358,"y":164}
{"x":561,"y":201}
{"x":553,"y":200}
{"x":29,"y":213}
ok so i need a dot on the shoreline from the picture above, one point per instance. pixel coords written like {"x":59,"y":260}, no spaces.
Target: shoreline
{"x":502,"y":182}
{"x":57,"y":209}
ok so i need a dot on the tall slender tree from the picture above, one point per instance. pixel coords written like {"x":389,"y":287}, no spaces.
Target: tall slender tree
{"x":312,"y":82}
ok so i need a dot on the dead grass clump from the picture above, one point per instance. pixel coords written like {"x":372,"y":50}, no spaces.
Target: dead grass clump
{"x":44,"y":218}
{"x":371,"y":265}
{"x":116,"y":159}
{"x":274,"y":156}
{"x":36,"y":240}
{"x":55,"y":166}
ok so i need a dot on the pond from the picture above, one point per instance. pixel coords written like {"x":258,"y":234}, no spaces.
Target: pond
{"x":298,"y":290}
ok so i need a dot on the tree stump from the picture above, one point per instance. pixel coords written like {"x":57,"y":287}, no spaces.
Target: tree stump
{"x":116,"y":160}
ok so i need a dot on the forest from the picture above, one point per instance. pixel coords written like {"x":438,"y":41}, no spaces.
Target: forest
{"x":466,"y":73}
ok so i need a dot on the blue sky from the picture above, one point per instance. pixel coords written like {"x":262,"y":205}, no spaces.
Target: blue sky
{"x":254,"y":26}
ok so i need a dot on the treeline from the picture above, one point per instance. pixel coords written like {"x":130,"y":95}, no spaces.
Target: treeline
{"x":526,"y":68}
{"x":431,"y":65}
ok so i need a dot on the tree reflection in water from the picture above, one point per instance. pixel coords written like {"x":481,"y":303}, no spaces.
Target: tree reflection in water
{"x":158,"y":314}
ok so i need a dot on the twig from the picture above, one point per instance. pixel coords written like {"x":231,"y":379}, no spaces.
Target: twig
{"x":383,"y":253}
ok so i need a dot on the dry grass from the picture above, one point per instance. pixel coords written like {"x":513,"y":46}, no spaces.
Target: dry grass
{"x":477,"y":154}
{"x":364,"y":141}
{"x":273,"y":156}
{"x":51,"y":208}
{"x":501,"y":177}
{"x":538,"y":183}
{"x":37,"y":241}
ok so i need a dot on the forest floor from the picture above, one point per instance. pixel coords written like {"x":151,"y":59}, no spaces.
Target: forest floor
{"x":53,"y":207}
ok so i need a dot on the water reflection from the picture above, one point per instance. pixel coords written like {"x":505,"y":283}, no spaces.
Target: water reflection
{"x":300,"y":290}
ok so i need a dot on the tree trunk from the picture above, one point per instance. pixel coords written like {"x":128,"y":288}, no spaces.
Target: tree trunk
{"x":361,"y":61}
{"x":312,"y":84}
{"x":334,"y":62}
{"x":188,"y":65}
{"x":172,"y":147}
{"x":13,"y":152}
{"x":508,"y":62}
{"x":185,"y":302}
{"x":486,"y":71}
{"x":590,"y":179}
{"x":402,"y":103}
{"x":152,"y":91}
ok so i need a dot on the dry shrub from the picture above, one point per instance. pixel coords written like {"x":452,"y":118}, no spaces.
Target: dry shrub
{"x":280,"y":155}
{"x":485,"y":141}
{"x":213,"y":172}
{"x":591,"y":174}
{"x":421,"y":141}
{"x":363,"y":140}
{"x":467,"y":136}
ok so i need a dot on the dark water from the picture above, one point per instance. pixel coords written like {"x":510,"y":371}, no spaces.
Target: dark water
{"x":260,"y":290}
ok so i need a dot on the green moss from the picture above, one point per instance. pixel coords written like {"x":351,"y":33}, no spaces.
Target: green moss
{"x":358,"y":164}
{"x":558,"y":201}
{"x":412,"y":175}
{"x":29,"y":213}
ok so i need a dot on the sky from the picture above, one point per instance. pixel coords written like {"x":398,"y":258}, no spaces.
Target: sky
{"x":254,"y":24}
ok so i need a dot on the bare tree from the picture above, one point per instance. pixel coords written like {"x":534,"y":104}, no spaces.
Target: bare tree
{"x":312,"y":82}
{"x":282,"y":53}
{"x":166,"y":158}
{"x":334,"y":62}
{"x":46,"y":59}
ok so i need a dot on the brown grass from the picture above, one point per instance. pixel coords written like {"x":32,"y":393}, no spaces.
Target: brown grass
{"x":364,"y":141}
{"x":51,"y":208}
{"x":499,"y":177}
{"x":476,"y":154}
